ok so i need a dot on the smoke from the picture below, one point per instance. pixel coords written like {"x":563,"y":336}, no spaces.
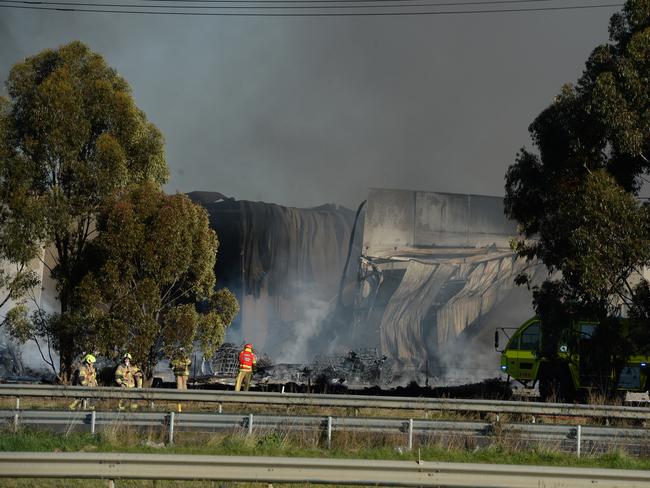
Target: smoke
{"x":24,"y":355}
{"x":307,"y":111}
{"x":471,"y":357}
{"x":314,"y":313}
{"x":313,"y":327}
{"x":43,"y":296}
{"x":32,"y":358}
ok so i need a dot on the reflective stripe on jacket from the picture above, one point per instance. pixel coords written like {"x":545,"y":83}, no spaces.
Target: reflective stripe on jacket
{"x":246,"y":360}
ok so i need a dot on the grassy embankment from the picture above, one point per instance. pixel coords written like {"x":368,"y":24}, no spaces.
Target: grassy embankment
{"x":495,"y":449}
{"x":308,"y":444}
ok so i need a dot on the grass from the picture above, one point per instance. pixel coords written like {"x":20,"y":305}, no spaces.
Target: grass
{"x":496,"y":448}
{"x":290,"y":444}
{"x":70,"y":483}
{"x":344,"y":445}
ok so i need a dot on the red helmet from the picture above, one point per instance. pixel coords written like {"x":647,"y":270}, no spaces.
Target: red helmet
{"x":248,"y":346}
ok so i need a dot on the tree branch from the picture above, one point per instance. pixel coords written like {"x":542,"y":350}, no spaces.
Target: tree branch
{"x":50,"y":363}
{"x":44,"y":263}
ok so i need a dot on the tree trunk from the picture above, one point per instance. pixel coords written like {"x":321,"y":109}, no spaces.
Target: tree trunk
{"x":66,"y":341}
{"x":66,"y":358}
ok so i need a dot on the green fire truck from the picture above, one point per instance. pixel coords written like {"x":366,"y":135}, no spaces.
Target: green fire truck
{"x":574,"y":370}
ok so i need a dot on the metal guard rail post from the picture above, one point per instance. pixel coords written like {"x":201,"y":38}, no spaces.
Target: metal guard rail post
{"x":96,"y":420}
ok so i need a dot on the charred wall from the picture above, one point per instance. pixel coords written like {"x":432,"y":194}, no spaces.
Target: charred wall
{"x":431,"y":276}
{"x":285,"y":265}
{"x":436,"y":273}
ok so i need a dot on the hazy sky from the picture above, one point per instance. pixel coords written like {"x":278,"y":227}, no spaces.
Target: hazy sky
{"x":305,"y":111}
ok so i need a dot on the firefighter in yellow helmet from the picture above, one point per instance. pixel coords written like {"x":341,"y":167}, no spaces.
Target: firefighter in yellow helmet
{"x":87,"y":372}
{"x":247,"y":361}
{"x":86,"y":376}
{"x":180,"y":364}
{"x":128,"y":375}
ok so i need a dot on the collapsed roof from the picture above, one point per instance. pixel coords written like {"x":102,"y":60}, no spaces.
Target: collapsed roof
{"x":285,"y":266}
{"x":430,"y":272}
{"x":434,"y":268}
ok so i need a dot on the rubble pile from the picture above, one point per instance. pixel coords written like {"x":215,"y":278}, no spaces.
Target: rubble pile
{"x":358,"y":367}
{"x":225,"y":361}
{"x":281,"y":374}
{"x":364,"y":367}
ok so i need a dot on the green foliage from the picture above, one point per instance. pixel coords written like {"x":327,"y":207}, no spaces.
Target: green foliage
{"x":18,"y":238}
{"x":71,"y":136}
{"x":640,"y":317}
{"x":19,"y":325}
{"x":80,"y":174}
{"x":157,"y":255}
{"x":223,"y":308}
{"x":271,"y":441}
{"x":599,"y":239}
{"x":35,"y":441}
{"x":575,"y":201}
{"x":555,"y":314}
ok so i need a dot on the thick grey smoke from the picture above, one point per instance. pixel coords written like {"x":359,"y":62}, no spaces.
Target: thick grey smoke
{"x":315,"y":312}
{"x":306,"y":111}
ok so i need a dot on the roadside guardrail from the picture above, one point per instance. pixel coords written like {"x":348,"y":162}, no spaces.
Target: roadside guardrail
{"x":573,"y":437}
{"x":115,"y":466}
{"x":324,"y":400}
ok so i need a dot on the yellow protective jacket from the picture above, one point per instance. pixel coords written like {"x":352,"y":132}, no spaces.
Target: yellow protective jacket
{"x":181,"y":365}
{"x":127,"y":376}
{"x":87,"y":375}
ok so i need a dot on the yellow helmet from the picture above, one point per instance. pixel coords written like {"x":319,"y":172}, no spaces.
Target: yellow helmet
{"x":89,"y":358}
{"x":127,"y":356}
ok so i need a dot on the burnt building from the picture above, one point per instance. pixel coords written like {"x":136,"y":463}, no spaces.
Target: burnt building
{"x":436,"y":277}
{"x":285,"y":266}
{"x":428,"y":278}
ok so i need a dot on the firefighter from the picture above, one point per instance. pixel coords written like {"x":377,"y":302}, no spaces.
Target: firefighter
{"x":180,"y":364}
{"x":87,"y":372}
{"x":86,"y":376}
{"x":247,"y":362}
{"x":128,"y":375}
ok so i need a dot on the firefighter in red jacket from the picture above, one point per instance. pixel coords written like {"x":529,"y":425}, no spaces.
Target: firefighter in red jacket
{"x":247,"y":362}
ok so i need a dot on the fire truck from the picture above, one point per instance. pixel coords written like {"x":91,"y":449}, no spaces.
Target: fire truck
{"x":575,"y":369}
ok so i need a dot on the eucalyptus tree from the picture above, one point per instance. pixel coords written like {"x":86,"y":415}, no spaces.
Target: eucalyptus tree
{"x":74,"y":136}
{"x":575,"y":199}
{"x":19,"y":245}
{"x":156,"y":280}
